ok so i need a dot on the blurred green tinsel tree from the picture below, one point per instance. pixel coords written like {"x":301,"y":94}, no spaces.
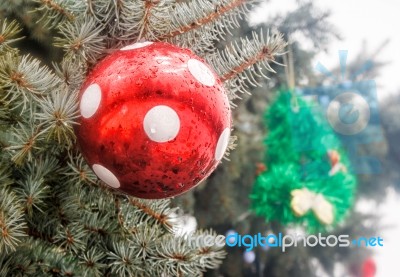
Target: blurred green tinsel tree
{"x":308,"y":179}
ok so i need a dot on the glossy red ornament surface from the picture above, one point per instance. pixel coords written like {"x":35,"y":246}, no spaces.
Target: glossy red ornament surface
{"x":155,"y":120}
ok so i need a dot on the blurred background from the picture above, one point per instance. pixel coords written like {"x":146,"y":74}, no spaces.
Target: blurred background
{"x":317,"y":30}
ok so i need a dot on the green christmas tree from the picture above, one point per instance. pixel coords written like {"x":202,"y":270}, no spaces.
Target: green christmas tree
{"x":308,"y":180}
{"x":56,"y":217}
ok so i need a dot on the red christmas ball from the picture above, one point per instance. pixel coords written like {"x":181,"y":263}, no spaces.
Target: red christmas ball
{"x":155,"y":120}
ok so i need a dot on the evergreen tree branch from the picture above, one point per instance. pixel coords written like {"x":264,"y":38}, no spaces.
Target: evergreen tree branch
{"x":12,"y":223}
{"x":155,"y":19}
{"x":58,"y":116}
{"x":207,"y":256}
{"x":199,"y":24}
{"x":158,"y":210}
{"x":78,"y":172}
{"x":82,"y":40}
{"x":56,"y":11}
{"x":72,"y":237}
{"x":40,"y":258}
{"x":194,"y":15}
{"x":183,"y":257}
{"x":44,"y":168}
{"x":148,"y":5}
{"x":5,"y":176}
{"x":123,"y":260}
{"x":241,"y":65}
{"x":93,"y":262}
{"x":24,"y":79}
{"x":39,"y":235}
{"x":33,"y":194}
{"x":24,"y":143}
{"x":57,"y":8}
{"x":71,"y":73}
{"x":7,"y":33}
{"x":116,"y":18}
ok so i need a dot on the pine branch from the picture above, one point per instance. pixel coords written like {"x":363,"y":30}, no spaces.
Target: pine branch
{"x":155,"y":19}
{"x":39,"y":235}
{"x":101,"y":223}
{"x":207,"y":256}
{"x":198,"y":24}
{"x":144,"y":241}
{"x":175,"y":257}
{"x":33,"y":193}
{"x":93,"y":262}
{"x":43,"y":168}
{"x":123,"y":260}
{"x":56,"y":11}
{"x":58,"y":116}
{"x":5,"y":176}
{"x":182,"y":257}
{"x":111,"y":15}
{"x":39,"y":258}
{"x":82,"y":40}
{"x":159,"y":211}
{"x":231,"y":146}
{"x":241,"y":65}
{"x":72,"y":237}
{"x":7,"y":33}
{"x":71,"y":73}
{"x":24,"y":79}
{"x":12,"y":222}
{"x":24,"y":143}
{"x":78,"y":172}
{"x":194,"y":15}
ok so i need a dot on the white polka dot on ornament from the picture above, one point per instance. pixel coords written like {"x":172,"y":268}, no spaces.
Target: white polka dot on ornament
{"x":201,"y":72}
{"x":90,"y":102}
{"x":249,"y":257}
{"x":161,"y":124}
{"x":106,"y":176}
{"x":222,"y":144}
{"x":137,"y":45}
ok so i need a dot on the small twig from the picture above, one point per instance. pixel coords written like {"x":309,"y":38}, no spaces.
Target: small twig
{"x":146,"y":17}
{"x":265,"y":53}
{"x":159,"y":217}
{"x":219,"y":11}
{"x":54,"y":6}
{"x":38,"y":235}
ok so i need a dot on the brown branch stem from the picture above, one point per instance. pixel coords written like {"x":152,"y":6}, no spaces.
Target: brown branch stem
{"x":265,"y":53}
{"x":159,"y":217}
{"x":54,"y":6}
{"x":219,"y":11}
{"x":148,"y":6}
